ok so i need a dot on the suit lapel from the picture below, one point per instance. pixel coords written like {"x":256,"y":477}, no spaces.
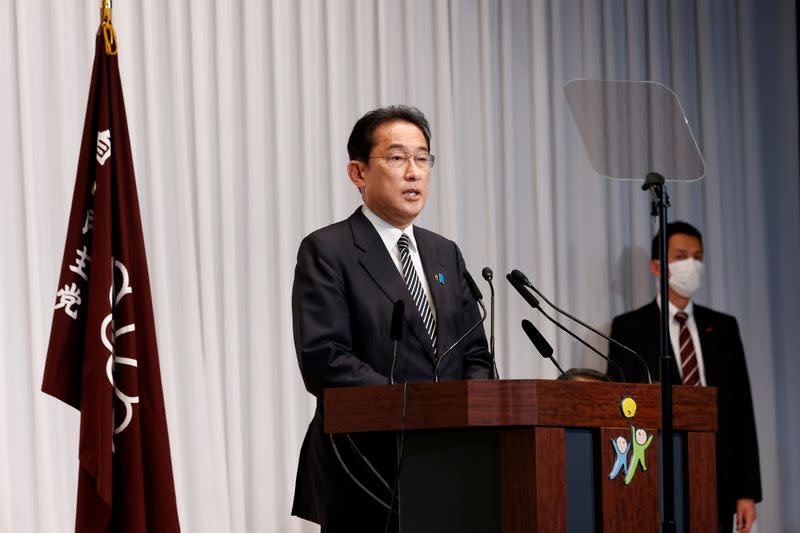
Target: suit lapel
{"x":381,"y":268}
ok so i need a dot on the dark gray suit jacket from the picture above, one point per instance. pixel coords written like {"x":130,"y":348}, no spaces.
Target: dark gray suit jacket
{"x":738,"y":473}
{"x":345,"y":286}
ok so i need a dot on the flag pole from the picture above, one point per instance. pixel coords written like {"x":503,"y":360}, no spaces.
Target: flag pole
{"x":107,"y":29}
{"x":105,"y":9}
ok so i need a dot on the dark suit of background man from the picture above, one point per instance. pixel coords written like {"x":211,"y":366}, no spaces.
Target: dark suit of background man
{"x":347,"y":279}
{"x":718,"y":361}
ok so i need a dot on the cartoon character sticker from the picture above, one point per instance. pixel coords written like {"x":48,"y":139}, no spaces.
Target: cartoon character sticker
{"x":640,"y":441}
{"x":621,"y":449}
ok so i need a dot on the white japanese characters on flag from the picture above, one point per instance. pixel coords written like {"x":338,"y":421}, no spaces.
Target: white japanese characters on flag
{"x":69,"y":297}
{"x":103,"y":146}
{"x":110,"y":333}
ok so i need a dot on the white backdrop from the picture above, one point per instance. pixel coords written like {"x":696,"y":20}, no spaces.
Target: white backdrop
{"x":239,"y":113}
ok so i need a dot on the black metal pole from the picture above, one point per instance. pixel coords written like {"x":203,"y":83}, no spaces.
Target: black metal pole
{"x":660,"y":203}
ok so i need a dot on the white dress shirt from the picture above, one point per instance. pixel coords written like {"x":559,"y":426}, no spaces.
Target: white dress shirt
{"x":390,"y":235}
{"x":674,"y":336}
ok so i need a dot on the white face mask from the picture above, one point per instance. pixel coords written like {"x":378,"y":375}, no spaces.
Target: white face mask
{"x":685,"y":276}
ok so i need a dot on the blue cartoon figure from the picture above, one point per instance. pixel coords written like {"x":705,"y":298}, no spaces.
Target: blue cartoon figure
{"x":639,"y":441}
{"x":621,"y":449}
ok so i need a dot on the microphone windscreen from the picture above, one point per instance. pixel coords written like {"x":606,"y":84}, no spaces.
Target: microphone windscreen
{"x":398,"y":311}
{"x":522,"y":290}
{"x":520,"y":277}
{"x":536,"y":338}
{"x":487,"y":274}
{"x":473,"y":288}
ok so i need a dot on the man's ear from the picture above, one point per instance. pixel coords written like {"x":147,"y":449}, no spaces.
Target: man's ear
{"x":355,"y":169}
{"x":655,"y":268}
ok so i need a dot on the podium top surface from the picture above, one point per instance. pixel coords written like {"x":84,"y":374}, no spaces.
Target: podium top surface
{"x":498,"y":403}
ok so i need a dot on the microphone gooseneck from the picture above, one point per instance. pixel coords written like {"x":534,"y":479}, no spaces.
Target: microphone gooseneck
{"x":592,"y":348}
{"x":488,"y":275}
{"x":520,"y":282}
{"x":476,"y":293}
{"x":523,"y":279}
{"x":396,"y":332}
{"x":401,"y":453}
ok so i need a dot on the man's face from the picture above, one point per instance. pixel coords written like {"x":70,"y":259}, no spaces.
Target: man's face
{"x":679,"y":246}
{"x":397,"y":195}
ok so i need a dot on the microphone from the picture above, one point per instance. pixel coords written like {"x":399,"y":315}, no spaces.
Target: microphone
{"x":520,"y":277}
{"x":525,"y":293}
{"x":488,"y":275}
{"x":541,"y":344}
{"x":396,"y":331}
{"x":476,"y":293}
{"x":473,"y":287}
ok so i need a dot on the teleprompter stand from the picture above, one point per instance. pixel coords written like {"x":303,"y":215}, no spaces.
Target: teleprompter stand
{"x":630,"y":130}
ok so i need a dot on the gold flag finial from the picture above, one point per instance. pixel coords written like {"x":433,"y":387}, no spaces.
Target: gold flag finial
{"x":109,"y":35}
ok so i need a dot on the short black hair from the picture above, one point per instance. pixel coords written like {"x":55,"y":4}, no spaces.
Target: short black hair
{"x":674,"y":228}
{"x":574,"y":373}
{"x":360,"y":143}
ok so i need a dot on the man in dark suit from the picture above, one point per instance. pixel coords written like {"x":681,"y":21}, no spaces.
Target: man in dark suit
{"x":707,"y":351}
{"x":347,"y":279}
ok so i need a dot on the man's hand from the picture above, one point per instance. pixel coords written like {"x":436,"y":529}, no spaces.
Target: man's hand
{"x":745,"y":514}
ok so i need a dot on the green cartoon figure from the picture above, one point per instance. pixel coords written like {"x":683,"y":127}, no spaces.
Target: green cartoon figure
{"x":639,"y":442}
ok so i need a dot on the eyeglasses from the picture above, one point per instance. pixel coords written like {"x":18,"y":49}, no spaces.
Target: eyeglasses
{"x":399,"y":159}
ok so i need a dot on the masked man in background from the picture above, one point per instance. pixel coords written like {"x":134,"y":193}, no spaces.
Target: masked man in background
{"x":707,"y":351}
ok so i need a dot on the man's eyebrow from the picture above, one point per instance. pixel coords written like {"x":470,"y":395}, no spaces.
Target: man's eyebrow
{"x":405,"y":147}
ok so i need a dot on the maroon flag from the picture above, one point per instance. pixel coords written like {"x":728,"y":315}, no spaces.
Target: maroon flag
{"x":102,"y":358}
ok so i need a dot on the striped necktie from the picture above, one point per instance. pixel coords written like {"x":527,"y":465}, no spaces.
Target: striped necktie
{"x":415,"y":288}
{"x":689,"y":368}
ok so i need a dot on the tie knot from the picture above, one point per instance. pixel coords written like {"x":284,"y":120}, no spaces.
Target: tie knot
{"x":681,"y":317}
{"x":403,"y":242}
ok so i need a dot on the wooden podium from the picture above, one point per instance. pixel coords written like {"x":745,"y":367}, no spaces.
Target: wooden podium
{"x":492,"y":456}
